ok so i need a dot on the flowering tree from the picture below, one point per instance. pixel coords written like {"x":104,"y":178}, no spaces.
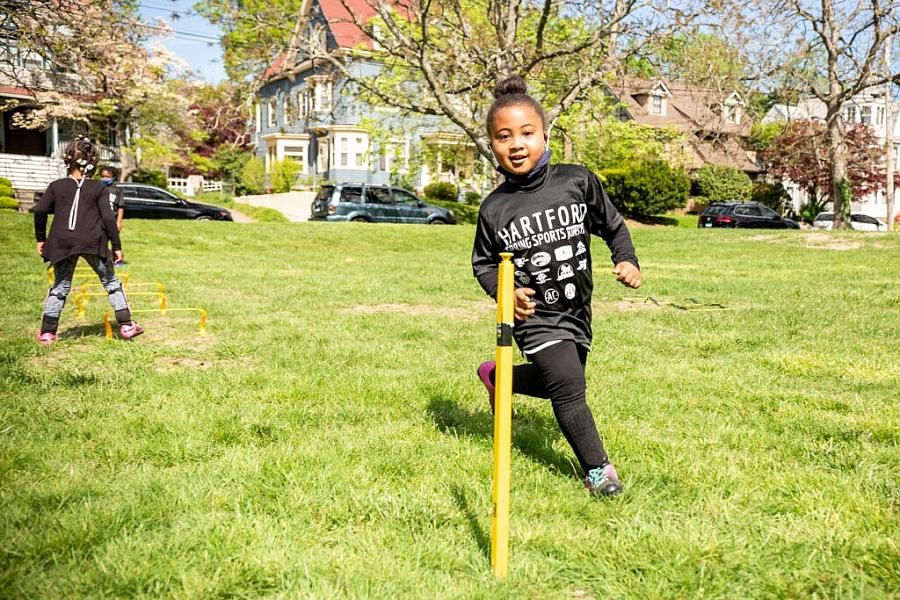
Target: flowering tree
{"x":216,"y":122}
{"x":100,"y":72}
{"x":802,"y":154}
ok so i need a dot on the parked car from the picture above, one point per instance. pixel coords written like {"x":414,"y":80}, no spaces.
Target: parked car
{"x":144,"y":201}
{"x":376,"y":204}
{"x":745,"y":215}
{"x":858,"y":221}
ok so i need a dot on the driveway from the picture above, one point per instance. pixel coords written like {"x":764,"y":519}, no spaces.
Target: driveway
{"x":293,"y":205}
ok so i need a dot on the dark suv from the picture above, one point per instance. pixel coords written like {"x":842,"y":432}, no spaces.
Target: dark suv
{"x":743,"y":214}
{"x":376,"y":203}
{"x":144,"y":201}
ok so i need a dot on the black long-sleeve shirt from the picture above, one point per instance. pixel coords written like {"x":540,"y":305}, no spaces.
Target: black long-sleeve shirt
{"x":546,"y":221}
{"x":87,"y":230}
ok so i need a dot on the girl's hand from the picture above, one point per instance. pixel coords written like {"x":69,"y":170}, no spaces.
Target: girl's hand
{"x":40,"y":248}
{"x":524,"y":306}
{"x":119,"y":256}
{"x":628,"y":274}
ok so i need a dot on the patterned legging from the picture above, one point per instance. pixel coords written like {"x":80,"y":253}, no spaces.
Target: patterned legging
{"x":63,"y":272}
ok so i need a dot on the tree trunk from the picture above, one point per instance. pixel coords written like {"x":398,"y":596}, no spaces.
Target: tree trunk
{"x":840,"y":185}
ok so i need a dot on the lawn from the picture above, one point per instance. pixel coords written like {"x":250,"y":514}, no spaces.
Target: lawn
{"x":329,"y":438}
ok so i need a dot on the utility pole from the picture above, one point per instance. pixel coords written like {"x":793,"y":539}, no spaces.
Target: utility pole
{"x":888,"y":138}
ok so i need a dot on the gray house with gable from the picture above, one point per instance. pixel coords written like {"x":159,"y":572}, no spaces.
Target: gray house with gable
{"x":308,"y":112}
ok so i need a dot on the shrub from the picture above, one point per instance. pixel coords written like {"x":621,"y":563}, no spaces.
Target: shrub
{"x":150,"y":177}
{"x":441,"y":190}
{"x":648,"y":188}
{"x":772,"y":195}
{"x":284,"y":174}
{"x":473,"y":198}
{"x":8,"y":202}
{"x":717,"y":183}
{"x":6,"y":190}
{"x":252,"y":178}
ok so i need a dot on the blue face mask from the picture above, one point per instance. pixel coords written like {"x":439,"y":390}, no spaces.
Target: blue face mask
{"x":106,"y":180}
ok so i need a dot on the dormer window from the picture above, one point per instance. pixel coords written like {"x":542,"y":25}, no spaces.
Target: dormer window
{"x":733,"y":111}
{"x":657,"y":100}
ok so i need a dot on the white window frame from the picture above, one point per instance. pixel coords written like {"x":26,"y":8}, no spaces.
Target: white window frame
{"x":286,"y":113}
{"x":298,"y":155}
{"x":258,"y":113}
{"x":865,"y":114}
{"x":657,"y":105}
{"x":270,"y":112}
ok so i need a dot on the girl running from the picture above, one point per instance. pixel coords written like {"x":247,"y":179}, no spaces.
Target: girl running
{"x":545,"y":214}
{"x":83,"y":226}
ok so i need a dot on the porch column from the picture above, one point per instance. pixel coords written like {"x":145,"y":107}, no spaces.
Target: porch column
{"x":54,"y":138}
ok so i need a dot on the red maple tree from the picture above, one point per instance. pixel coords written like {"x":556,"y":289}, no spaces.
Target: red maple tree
{"x":800,"y":154}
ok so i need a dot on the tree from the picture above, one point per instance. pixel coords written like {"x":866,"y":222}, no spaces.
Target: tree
{"x":444,"y":58}
{"x":802,"y":154}
{"x":254,"y":32}
{"x":215,"y":128}
{"x":718,"y":183}
{"x":647,"y":188}
{"x":102,"y":73}
{"x":829,"y":50}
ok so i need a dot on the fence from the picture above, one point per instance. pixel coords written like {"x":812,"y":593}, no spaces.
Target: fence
{"x":191,"y":186}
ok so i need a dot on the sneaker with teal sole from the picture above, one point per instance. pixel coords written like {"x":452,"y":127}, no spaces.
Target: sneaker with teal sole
{"x":603,"y":481}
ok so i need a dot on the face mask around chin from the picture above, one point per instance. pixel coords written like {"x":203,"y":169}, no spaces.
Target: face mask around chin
{"x":106,"y":181}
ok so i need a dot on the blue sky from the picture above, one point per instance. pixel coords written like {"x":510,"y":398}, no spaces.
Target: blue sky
{"x":194,"y":37}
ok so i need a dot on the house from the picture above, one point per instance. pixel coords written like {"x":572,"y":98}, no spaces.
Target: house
{"x":308,"y":112}
{"x":714,"y":122}
{"x":867,"y":108}
{"x":31,"y":158}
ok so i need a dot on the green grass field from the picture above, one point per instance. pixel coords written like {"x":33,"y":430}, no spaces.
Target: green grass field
{"x":329,"y":439}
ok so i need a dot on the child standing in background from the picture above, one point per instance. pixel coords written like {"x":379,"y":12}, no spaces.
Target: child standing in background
{"x":83,"y":226}
{"x":545,"y":214}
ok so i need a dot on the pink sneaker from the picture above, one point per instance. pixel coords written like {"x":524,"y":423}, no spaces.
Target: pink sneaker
{"x":484,"y":374}
{"x":46,"y":337}
{"x":130,"y":330}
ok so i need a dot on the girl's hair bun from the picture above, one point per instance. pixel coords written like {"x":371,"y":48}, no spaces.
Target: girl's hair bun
{"x":510,"y":85}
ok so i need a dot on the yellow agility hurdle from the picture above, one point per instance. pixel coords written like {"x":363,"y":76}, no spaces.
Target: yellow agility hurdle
{"x":202,"y":324}
{"x":82,"y":299}
{"x":159,"y":287}
{"x":502,"y":417}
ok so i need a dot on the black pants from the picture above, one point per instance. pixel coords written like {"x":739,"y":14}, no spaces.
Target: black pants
{"x":557,"y":373}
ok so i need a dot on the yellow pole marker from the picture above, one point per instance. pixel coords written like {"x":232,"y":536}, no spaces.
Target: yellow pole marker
{"x":502,"y":418}
{"x":107,"y":325}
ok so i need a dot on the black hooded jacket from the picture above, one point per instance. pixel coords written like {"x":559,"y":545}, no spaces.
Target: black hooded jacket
{"x":546,"y":220}
{"x":87,"y":228}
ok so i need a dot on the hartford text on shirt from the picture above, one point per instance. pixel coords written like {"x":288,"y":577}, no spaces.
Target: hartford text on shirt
{"x":543,"y":227}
